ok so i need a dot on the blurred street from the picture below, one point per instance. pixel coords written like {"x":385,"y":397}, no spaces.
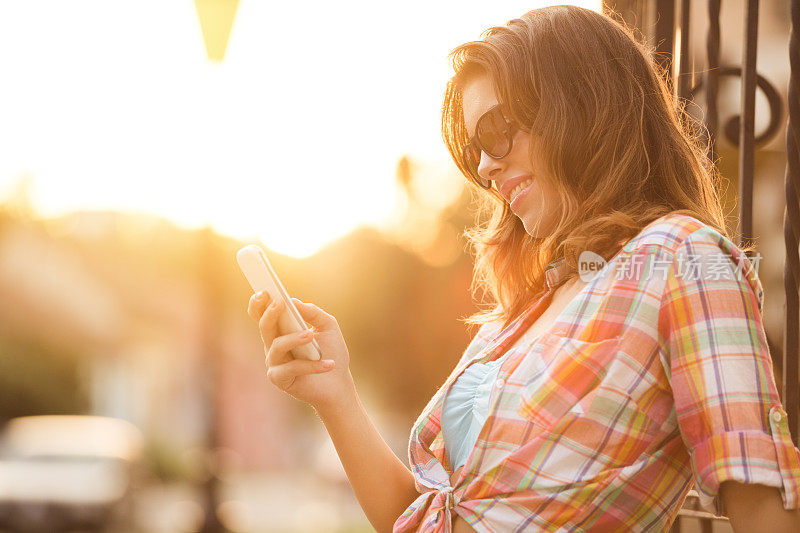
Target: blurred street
{"x":293,"y":502}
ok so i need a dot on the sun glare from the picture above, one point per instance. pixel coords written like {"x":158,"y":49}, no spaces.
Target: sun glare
{"x":292,"y":139}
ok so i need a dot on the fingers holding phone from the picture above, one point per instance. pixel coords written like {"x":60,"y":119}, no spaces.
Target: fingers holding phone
{"x":319,"y":383}
{"x":264,"y":311}
{"x":283,"y":369}
{"x":270,"y":332}
{"x":316,"y":316}
{"x":279,"y":347}
{"x":258,"y":304}
{"x":327,"y":332}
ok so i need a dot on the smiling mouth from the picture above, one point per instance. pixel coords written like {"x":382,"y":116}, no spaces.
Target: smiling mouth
{"x":519,"y":188}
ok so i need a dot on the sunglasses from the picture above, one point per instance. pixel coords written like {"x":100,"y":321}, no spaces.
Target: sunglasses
{"x":494,"y":135}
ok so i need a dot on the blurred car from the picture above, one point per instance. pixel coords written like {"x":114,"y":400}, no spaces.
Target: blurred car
{"x":67,"y":472}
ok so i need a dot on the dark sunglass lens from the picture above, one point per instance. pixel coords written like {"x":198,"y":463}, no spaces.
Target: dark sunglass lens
{"x":492,"y":134}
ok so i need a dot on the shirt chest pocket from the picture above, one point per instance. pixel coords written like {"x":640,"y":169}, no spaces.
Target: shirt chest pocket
{"x":563,"y":377}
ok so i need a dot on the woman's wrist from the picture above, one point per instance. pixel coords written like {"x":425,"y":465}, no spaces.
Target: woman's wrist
{"x":342,"y":402}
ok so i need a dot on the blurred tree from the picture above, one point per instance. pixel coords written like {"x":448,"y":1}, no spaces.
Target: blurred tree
{"x":34,"y":381}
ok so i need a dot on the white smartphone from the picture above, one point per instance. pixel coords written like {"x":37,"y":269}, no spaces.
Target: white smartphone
{"x":259,"y":273}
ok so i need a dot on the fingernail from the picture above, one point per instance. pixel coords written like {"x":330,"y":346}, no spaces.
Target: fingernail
{"x":306,"y":334}
{"x":328,"y":363}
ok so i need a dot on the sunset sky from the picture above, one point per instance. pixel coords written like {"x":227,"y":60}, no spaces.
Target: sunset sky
{"x":292,"y":139}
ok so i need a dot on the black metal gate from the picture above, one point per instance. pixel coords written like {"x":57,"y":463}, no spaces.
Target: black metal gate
{"x":667,"y":24}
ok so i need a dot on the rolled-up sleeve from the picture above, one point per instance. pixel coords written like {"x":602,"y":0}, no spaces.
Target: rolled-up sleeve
{"x":715,"y":353}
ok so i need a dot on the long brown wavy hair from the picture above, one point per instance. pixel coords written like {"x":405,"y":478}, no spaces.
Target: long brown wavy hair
{"x":622,"y":148}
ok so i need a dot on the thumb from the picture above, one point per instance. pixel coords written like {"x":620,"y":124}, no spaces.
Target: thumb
{"x":314,"y":315}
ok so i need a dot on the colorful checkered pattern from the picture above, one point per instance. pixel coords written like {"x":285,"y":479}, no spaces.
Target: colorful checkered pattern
{"x":651,"y":380}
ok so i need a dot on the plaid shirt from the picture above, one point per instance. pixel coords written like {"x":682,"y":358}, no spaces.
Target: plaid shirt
{"x":657,"y":375}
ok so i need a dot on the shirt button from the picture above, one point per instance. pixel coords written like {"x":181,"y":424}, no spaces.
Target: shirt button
{"x":500,"y":382}
{"x":776,"y":416}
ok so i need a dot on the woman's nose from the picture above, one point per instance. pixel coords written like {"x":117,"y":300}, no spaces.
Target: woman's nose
{"x":489,"y":167}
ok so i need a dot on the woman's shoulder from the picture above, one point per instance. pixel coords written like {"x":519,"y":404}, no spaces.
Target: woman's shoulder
{"x":673,"y":231}
{"x":666,"y":232}
{"x":691,"y":242}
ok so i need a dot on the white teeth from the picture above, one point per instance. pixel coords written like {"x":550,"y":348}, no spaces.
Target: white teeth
{"x":519,"y":188}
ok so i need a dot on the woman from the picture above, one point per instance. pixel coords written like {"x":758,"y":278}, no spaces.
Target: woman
{"x":584,"y":402}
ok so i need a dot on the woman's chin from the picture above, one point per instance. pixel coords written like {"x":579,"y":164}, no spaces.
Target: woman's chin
{"x":531,"y":226}
{"x":534,"y":226}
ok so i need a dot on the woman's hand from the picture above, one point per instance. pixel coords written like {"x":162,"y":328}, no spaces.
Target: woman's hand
{"x":383,"y":485}
{"x":320,"y":383}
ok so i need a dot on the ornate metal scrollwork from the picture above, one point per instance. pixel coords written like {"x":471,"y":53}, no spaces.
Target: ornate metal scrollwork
{"x":731,"y":127}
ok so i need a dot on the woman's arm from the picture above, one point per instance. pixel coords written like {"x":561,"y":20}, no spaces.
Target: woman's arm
{"x":382,"y":483}
{"x":753,"y":508}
